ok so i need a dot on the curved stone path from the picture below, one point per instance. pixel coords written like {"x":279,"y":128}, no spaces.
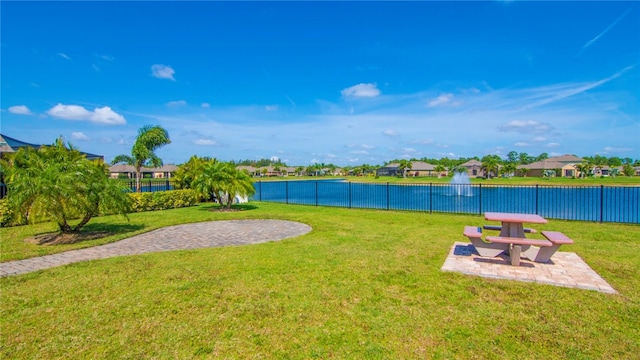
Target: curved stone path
{"x":179,"y":237}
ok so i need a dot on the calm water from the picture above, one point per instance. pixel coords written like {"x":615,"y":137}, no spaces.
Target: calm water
{"x":607,"y":204}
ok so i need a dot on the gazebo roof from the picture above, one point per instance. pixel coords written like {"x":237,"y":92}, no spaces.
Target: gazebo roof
{"x":9,"y":144}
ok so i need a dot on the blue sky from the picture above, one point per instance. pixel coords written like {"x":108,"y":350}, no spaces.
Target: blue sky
{"x":335,"y":82}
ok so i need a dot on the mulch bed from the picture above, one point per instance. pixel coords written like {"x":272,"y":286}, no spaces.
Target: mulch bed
{"x":59,"y":238}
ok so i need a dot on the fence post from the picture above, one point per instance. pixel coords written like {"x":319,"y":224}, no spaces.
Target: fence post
{"x":387,"y":195}
{"x":480,"y":199}
{"x":601,"y":202}
{"x":286,"y":192}
{"x":349,"y":194}
{"x":260,"y":196}
{"x":316,"y":192}
{"x":150,"y":189}
{"x":168,"y":187}
{"x":537,"y":213}
{"x":430,"y":198}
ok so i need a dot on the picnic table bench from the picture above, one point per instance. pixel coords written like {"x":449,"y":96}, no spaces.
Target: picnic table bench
{"x":499,"y":228}
{"x":483,"y":248}
{"x":516,"y":244}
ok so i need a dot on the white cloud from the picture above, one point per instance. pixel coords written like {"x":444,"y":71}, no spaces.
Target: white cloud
{"x":102,"y":115}
{"x":611,"y":149}
{"x":20,"y":109}
{"x":64,"y":56}
{"x":104,"y":57}
{"x":274,"y":159}
{"x":389,"y":132}
{"x":440,"y":100}
{"x":79,"y":136}
{"x":177,"y":103}
{"x":204,"y":142}
{"x":361,"y":90}
{"x":539,"y":139}
{"x":525,"y":126}
{"x":521,"y":144}
{"x":271,"y":107}
{"x":553,"y":145}
{"x":162,"y":72}
{"x":359,"y":152}
{"x":95,"y":67}
{"x":205,"y":105}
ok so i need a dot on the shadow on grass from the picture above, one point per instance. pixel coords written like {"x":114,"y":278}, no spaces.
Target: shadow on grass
{"x":236,"y":207}
{"x":112,"y":228}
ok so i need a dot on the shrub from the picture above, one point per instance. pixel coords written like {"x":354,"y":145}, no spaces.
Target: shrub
{"x":163,"y":200}
{"x":6,"y":215}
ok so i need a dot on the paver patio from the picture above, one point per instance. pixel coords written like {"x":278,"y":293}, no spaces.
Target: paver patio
{"x":179,"y":237}
{"x":564,"y":269}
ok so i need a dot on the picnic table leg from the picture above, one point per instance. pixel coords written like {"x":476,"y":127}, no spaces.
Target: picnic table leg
{"x":512,"y":230}
{"x":515,"y":255}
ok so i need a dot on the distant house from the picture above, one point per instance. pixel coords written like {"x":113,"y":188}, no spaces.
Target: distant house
{"x":565,"y":163}
{"x":9,"y":145}
{"x":474,"y":168}
{"x":418,"y":168}
{"x":128,"y":171}
{"x":268,"y":170}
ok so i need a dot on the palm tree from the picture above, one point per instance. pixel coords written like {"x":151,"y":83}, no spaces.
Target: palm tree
{"x":59,"y":183}
{"x":186,"y":173}
{"x":403,"y":166}
{"x":489,"y":165}
{"x":224,"y":182}
{"x":149,"y":139}
{"x":439,"y":169}
{"x":584,"y":168}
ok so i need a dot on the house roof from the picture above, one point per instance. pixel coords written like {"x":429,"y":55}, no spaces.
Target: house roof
{"x":9,"y":144}
{"x":415,"y":166}
{"x":556,"y":162}
{"x":123,"y":168}
{"x":471,"y":163}
{"x":546,"y":164}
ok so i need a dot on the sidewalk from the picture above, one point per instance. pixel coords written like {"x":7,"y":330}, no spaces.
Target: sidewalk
{"x":180,"y":237}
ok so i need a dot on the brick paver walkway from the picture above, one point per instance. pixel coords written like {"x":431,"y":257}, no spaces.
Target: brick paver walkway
{"x":564,"y":269}
{"x":180,"y":237}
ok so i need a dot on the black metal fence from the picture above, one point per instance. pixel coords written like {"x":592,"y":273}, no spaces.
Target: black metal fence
{"x":619,"y":204}
{"x":586,"y":203}
{"x":150,"y":185}
{"x":145,"y":186}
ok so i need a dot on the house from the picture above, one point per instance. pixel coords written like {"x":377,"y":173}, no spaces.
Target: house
{"x":268,"y":170}
{"x":418,"y":168}
{"x":565,"y":163}
{"x":474,"y":168}
{"x":129,"y":172}
{"x":9,"y":145}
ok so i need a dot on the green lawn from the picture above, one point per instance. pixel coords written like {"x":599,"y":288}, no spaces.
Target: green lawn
{"x":363,"y":284}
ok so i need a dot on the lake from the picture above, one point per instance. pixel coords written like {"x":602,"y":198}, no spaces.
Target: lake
{"x":586,"y":203}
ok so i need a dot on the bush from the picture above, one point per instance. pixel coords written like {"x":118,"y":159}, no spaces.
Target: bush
{"x":163,"y":200}
{"x":6,"y":215}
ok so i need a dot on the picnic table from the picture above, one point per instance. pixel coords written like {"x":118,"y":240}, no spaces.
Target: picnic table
{"x":513,"y":223}
{"x":512,"y":238}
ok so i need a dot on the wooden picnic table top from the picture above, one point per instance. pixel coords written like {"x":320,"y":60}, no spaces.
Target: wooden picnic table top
{"x":515,"y":217}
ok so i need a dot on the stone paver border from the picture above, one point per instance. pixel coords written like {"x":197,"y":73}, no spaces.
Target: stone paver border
{"x":179,"y":237}
{"x":564,"y":269}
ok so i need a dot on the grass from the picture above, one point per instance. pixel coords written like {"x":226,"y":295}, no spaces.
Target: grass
{"x":362,"y":284}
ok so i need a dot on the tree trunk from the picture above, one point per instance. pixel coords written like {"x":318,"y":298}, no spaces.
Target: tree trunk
{"x":138,"y":176}
{"x":82,"y":223}
{"x":64,"y":227}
